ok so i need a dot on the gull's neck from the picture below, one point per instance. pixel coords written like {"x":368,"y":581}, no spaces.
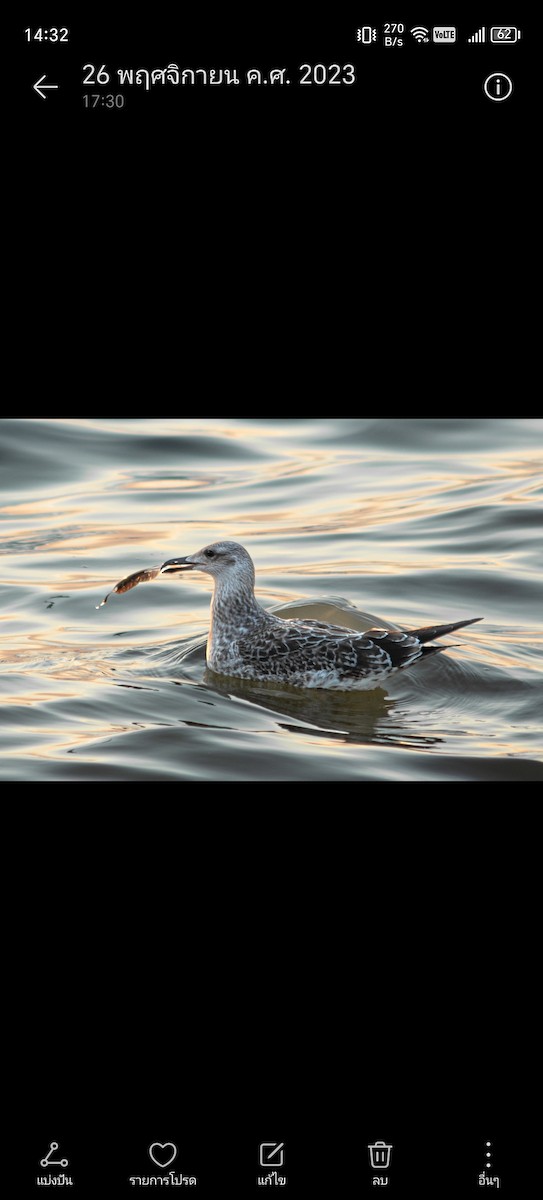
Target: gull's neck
{"x":234,"y":602}
{"x":234,"y":612}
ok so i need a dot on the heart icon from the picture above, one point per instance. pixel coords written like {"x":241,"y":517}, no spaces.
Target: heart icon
{"x":162,"y":1153}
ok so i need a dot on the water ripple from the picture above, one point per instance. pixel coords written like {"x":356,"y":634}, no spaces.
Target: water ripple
{"x":382,"y":522}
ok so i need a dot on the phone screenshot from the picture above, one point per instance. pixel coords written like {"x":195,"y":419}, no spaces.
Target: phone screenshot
{"x":250,"y":976}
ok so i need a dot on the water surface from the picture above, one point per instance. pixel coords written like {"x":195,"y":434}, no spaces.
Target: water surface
{"x":370,"y":521}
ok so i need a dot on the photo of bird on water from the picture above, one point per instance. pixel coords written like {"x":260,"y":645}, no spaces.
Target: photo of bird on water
{"x":248,"y":642}
{"x":323,"y":599}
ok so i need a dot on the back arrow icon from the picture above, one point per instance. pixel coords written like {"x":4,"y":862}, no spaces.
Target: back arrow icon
{"x":39,"y":84}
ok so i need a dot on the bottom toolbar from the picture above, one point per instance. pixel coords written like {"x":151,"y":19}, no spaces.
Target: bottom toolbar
{"x":204,"y":1165}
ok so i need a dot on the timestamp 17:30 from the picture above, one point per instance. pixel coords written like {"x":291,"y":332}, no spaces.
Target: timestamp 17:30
{"x":95,"y":100}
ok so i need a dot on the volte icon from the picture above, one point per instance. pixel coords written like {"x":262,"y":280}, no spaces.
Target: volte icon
{"x":444,"y":34}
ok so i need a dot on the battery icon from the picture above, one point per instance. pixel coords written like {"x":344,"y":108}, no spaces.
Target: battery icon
{"x":504,"y":34}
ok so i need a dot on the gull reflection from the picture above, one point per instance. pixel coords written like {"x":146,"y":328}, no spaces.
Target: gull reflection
{"x":355,"y":716}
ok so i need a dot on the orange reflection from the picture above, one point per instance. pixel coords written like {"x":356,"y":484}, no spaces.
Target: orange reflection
{"x":163,"y":485}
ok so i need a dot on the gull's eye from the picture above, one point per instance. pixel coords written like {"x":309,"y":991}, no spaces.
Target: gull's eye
{"x":209,"y":553}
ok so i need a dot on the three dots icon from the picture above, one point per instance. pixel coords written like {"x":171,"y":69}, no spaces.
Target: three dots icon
{"x":490,"y":1178}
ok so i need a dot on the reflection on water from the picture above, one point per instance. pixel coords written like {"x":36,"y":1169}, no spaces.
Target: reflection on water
{"x":410,"y":521}
{"x":357,"y":717}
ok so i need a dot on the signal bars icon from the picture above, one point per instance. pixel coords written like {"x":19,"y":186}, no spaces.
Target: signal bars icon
{"x":480,"y":36}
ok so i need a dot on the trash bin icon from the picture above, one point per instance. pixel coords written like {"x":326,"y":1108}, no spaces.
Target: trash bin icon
{"x":380,"y":1155}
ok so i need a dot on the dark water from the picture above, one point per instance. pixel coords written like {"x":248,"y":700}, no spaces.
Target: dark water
{"x":399,"y":523}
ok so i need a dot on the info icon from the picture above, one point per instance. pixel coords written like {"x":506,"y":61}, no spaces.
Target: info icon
{"x":498,"y":86}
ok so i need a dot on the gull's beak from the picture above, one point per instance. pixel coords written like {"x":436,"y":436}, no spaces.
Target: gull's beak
{"x":177,"y":564}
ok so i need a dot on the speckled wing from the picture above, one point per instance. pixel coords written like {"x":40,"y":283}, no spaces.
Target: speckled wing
{"x":377,"y":652}
{"x":405,"y":648}
{"x":386,"y":650}
{"x":293,"y":647}
{"x":395,"y":650}
{"x":316,"y":646}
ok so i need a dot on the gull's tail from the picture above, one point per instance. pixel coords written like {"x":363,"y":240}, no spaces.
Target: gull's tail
{"x":429,"y":632}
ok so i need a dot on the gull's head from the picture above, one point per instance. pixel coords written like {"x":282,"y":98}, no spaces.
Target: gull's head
{"x":226,"y":561}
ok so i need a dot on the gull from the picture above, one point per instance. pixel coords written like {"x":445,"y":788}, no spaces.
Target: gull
{"x":247,"y":642}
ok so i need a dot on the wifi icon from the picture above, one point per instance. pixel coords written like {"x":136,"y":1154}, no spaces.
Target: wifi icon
{"x":420,"y":34}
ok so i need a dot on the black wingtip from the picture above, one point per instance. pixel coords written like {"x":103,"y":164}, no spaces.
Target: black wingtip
{"x":459,"y":624}
{"x":430,"y":632}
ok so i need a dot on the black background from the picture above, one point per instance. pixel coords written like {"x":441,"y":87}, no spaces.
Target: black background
{"x":317,"y":971}
{"x":416,"y":118}
{"x":274,"y":235}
